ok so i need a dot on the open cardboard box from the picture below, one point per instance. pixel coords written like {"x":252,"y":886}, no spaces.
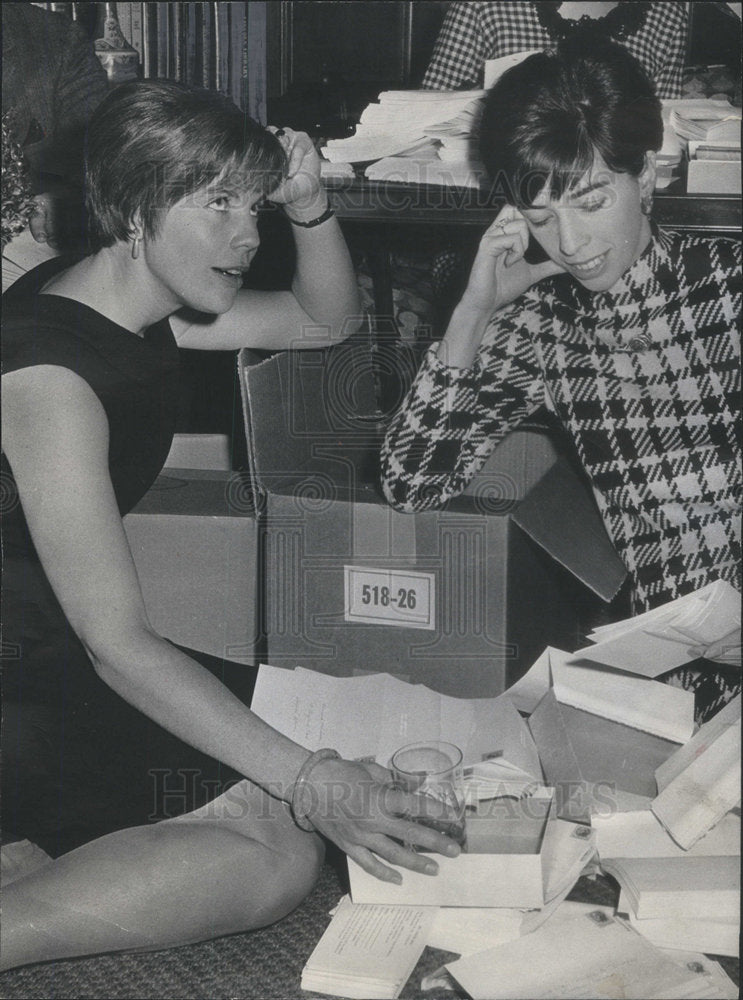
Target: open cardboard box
{"x":461,"y":599}
{"x":503,"y":865}
{"x":195,"y":538}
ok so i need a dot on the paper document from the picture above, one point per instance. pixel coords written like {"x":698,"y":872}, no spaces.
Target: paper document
{"x":467,"y":930}
{"x":370,"y":717}
{"x":587,"y":955}
{"x":395,"y":124}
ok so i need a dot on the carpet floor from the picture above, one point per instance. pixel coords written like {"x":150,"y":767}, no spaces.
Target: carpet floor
{"x":260,"y":965}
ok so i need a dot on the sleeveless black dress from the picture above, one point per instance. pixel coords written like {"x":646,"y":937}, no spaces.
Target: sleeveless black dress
{"x":78,"y":761}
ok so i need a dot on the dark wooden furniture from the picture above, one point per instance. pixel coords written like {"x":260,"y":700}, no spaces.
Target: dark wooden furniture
{"x":374,"y":212}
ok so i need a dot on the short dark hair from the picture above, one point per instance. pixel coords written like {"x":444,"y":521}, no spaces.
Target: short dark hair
{"x":545,"y":119}
{"x":154,"y":142}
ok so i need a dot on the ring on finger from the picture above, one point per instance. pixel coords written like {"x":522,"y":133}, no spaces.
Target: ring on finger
{"x":279,"y":133}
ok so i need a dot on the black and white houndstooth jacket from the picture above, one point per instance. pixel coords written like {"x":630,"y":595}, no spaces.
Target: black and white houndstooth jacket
{"x":645,"y":377}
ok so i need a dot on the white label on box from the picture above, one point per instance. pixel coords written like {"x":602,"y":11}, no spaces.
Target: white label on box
{"x":389,"y":598}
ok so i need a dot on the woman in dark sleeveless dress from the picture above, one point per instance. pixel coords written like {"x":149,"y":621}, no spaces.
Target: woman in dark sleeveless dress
{"x":94,"y":697}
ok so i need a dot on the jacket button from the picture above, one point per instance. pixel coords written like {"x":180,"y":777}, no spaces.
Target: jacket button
{"x":640,"y":343}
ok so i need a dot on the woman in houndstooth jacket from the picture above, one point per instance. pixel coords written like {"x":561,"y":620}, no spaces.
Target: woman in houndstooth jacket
{"x":629,"y":334}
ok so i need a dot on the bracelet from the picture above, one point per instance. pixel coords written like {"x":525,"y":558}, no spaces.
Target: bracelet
{"x":299,"y":807}
{"x":327,"y":214}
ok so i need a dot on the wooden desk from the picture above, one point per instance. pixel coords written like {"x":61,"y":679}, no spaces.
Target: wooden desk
{"x":382,"y":207}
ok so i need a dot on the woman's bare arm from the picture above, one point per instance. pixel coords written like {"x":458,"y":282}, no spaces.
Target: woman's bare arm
{"x":323,"y":305}
{"x":56,"y":441}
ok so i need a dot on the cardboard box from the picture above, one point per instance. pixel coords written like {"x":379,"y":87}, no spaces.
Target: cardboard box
{"x":595,"y":765}
{"x":461,"y":599}
{"x":195,"y":540}
{"x":503,"y":865}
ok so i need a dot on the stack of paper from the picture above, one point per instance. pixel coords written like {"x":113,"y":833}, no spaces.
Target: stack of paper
{"x":637,"y":850}
{"x":711,"y":130}
{"x":368,"y":951}
{"x":396,"y":123}
{"x":432,"y":171}
{"x":705,"y":887}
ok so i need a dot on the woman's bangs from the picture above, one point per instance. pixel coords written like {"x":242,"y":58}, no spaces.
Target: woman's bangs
{"x":556,"y":166}
{"x":262,"y":164}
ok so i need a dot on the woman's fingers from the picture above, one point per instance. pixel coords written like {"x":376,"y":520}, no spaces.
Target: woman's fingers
{"x":403,"y":856}
{"x":371,"y":864}
{"x":296,"y":146}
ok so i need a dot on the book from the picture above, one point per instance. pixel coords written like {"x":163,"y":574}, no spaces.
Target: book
{"x":368,"y":950}
{"x":124,"y":14}
{"x":707,"y":176}
{"x":149,"y":40}
{"x":222,"y":46}
{"x":664,"y":888}
{"x":163,"y":36}
{"x":238,"y":54}
{"x":701,"y":782}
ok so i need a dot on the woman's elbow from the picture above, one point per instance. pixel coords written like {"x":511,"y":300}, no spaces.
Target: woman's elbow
{"x":348,"y":320}
{"x":113,"y":651}
{"x":407,"y":499}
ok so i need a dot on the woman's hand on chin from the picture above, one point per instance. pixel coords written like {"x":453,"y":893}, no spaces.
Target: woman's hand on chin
{"x":500,"y":272}
{"x":358,"y":808}
{"x":301,"y":193}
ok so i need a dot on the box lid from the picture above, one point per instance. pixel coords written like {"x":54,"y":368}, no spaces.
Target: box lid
{"x":312,"y":414}
{"x":561,"y":516}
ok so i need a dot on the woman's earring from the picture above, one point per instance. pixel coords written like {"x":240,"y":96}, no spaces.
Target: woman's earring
{"x":135,"y":247}
{"x":646,"y":204}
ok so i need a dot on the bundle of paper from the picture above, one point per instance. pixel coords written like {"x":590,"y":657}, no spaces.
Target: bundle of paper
{"x":668,"y":636}
{"x":705,"y":887}
{"x":711,"y":131}
{"x":396,"y":123}
{"x":699,"y":783}
{"x":625,"y":838}
{"x":368,"y":951}
{"x":717,"y":936}
{"x":629,"y":698}
{"x":585,"y":951}
{"x":705,"y":119}
{"x":456,"y":136}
